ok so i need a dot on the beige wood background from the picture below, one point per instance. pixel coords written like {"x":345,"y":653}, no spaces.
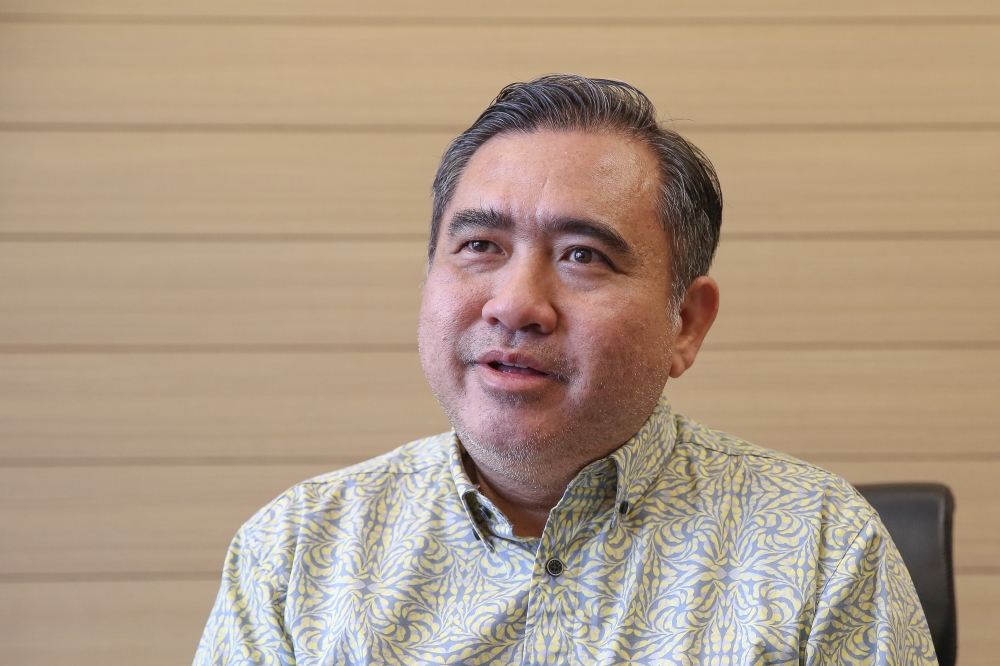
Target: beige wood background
{"x":212,"y":223}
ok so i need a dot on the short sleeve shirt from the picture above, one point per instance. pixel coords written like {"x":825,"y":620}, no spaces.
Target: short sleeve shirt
{"x":684,"y":546}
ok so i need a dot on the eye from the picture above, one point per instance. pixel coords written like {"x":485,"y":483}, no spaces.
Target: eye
{"x":481,"y":246}
{"x":581,"y":255}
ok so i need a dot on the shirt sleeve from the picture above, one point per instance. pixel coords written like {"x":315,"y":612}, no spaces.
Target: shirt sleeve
{"x":868,"y":611}
{"x":246,"y":625}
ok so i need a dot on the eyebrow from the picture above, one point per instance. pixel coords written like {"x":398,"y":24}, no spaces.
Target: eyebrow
{"x":479,"y":218}
{"x":494,"y":220}
{"x":592,"y":228}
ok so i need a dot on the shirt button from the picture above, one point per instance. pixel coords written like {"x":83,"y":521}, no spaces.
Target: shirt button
{"x":554,"y":567}
{"x":623,"y":507}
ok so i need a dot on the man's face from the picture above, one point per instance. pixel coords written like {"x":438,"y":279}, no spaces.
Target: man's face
{"x":546,"y":329}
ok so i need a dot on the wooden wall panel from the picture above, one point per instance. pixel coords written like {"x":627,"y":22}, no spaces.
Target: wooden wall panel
{"x":855,"y":182}
{"x":855,"y":403}
{"x":177,"y":382}
{"x":136,"y":407}
{"x":155,"y":623}
{"x":404,"y":75}
{"x":379,"y":183}
{"x":565,"y":10}
{"x":132,"y":519}
{"x":259,"y":293}
{"x":978,"y":619}
{"x":851,"y":291}
{"x":217,"y":183}
{"x":127,"y":408}
{"x":181,"y":519}
{"x":364,"y":293}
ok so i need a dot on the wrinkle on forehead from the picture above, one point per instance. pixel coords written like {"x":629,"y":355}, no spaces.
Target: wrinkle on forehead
{"x":548,"y":174}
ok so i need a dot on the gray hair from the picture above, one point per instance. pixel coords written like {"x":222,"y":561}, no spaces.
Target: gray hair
{"x":690,"y":200}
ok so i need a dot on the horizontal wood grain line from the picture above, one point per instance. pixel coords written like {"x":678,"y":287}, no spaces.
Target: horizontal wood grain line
{"x":902,"y":456}
{"x":490,"y":21}
{"x":168,"y":576}
{"x":344,"y":461}
{"x":195,"y":461}
{"x":389,"y":237}
{"x":380,"y":348}
{"x":853,"y":345}
{"x":224,"y":348}
{"x":240,"y":128}
{"x":264,"y":237}
{"x":928,"y":235}
{"x":978,"y":571}
{"x":127,"y":127}
{"x":109,"y":577}
{"x":807,"y":127}
{"x":513,"y":8}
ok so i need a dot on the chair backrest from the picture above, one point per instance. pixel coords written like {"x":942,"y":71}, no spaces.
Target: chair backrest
{"x":919,"y":519}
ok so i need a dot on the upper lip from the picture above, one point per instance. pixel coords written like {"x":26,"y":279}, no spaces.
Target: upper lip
{"x":514,"y":358}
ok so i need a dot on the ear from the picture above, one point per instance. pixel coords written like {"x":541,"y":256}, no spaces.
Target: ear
{"x":697,"y":313}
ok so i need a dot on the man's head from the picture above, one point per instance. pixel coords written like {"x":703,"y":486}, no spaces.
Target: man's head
{"x":689,"y":202}
{"x":563,"y":287}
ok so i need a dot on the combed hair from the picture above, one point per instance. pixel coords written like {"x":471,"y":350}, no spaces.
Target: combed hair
{"x":690,"y":200}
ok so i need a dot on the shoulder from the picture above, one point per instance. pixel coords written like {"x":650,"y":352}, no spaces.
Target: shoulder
{"x":312,"y":506}
{"x":769,"y":478}
{"x":707,"y":442}
{"x":809,"y":509}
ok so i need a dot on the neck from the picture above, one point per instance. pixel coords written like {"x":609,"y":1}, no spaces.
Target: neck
{"x":526,"y":506}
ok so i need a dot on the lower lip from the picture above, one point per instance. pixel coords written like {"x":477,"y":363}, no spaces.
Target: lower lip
{"x":515,"y":379}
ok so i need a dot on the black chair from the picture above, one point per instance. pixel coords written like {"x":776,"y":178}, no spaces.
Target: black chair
{"x":919,"y":519}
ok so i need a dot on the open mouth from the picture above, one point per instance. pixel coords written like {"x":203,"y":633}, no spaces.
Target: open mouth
{"x":515,"y":369}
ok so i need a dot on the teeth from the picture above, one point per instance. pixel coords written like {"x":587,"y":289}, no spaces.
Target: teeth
{"x":513,"y":365}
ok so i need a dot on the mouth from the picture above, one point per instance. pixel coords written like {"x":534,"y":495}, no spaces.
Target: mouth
{"x":516,"y":369}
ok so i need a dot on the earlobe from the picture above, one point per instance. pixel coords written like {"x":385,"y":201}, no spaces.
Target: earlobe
{"x":697,"y":314}
{"x":677,"y":366}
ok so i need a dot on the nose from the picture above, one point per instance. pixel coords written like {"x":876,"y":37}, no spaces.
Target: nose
{"x":521,"y":300}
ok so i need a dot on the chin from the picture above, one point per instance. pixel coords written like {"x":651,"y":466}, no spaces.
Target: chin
{"x":509,"y":426}
{"x":512,"y":421}
{"x":526,"y":455}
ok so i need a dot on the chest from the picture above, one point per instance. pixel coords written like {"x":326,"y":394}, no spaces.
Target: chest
{"x":664,"y":594}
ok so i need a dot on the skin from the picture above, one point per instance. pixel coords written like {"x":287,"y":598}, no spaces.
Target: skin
{"x":551,"y":256}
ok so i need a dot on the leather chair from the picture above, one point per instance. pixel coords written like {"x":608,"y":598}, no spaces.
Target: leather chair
{"x":919,"y":519}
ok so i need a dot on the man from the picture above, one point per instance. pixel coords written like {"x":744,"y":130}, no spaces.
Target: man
{"x":571,"y":516}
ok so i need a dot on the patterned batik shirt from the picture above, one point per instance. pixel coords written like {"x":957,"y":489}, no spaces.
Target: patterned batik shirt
{"x":684,"y":546}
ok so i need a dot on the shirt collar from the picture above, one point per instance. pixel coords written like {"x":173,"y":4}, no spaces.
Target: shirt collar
{"x":485,"y":518}
{"x":638,"y":462}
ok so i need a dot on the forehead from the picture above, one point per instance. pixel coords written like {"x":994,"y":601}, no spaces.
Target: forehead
{"x":553,"y":174}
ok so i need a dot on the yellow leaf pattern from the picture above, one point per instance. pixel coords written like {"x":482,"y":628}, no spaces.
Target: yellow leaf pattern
{"x":685,"y":546}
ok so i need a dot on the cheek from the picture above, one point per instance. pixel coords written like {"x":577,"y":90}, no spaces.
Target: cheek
{"x":448,"y":309}
{"x":630,"y":341}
